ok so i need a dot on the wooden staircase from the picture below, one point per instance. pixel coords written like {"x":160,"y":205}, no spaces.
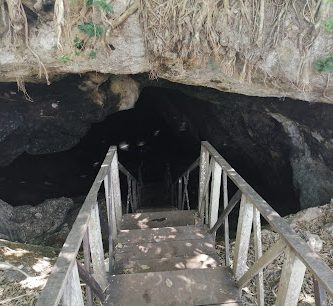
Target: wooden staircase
{"x":167,"y":258}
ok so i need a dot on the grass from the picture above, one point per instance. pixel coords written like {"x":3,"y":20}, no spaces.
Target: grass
{"x":101,"y":4}
{"x":324,"y":64}
{"x":91,"y":29}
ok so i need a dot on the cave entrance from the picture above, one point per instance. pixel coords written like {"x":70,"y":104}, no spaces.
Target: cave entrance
{"x":157,"y":140}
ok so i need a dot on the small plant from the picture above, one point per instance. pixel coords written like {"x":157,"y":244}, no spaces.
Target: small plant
{"x":92,"y":54}
{"x":102,"y":4}
{"x":328,"y":25}
{"x":78,"y":43}
{"x":91,"y":29}
{"x":325,"y":64}
{"x":65,"y":59}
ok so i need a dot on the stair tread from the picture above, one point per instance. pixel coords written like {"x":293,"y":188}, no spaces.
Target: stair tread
{"x":187,"y":232}
{"x":184,"y":287}
{"x":159,"y":219}
{"x":165,"y":249}
{"x":199,"y":261}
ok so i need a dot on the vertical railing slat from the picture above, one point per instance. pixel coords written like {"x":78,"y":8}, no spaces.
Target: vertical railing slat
{"x":226,"y":221}
{"x":215,"y":194}
{"x":243,"y":237}
{"x":319,"y":293}
{"x":291,"y":280}
{"x":134,"y":197}
{"x":203,"y":173}
{"x":72,"y":295}
{"x":96,"y":248}
{"x":115,"y":186}
{"x":180,"y":193}
{"x":257,"y":254}
{"x":87,"y":265}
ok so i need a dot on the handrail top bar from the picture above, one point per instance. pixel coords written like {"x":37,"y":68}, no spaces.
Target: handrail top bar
{"x":189,"y":169}
{"x":52,"y":292}
{"x":311,"y":259}
{"x":126,"y":172}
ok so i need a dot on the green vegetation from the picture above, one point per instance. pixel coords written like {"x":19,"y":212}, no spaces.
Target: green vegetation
{"x":91,"y":29}
{"x":328,"y":25}
{"x":325,"y":64}
{"x":78,"y":43}
{"x":92,"y":54}
{"x":101,"y":4}
{"x":64,"y":58}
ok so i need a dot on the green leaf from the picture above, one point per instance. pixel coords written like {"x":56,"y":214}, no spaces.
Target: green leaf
{"x":78,"y":43}
{"x":92,"y":54}
{"x":91,"y":29}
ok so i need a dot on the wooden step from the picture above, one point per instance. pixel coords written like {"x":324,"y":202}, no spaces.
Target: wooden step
{"x":214,"y":286}
{"x":165,"y":249}
{"x":200,"y":261}
{"x":188,"y":232}
{"x":159,"y":219}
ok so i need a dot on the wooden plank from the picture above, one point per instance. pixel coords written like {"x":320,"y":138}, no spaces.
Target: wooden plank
{"x":194,"y":165}
{"x":198,"y":261}
{"x":91,"y":283}
{"x":183,"y":287}
{"x":226,"y":221}
{"x":272,"y":253}
{"x":72,"y":295}
{"x":165,"y":249}
{"x":87,"y":265}
{"x":312,"y":260}
{"x":232,"y":203}
{"x":180,"y":194}
{"x":203,"y":173}
{"x":243,"y":237}
{"x":96,"y":248}
{"x":115,"y":185}
{"x":215,"y":194}
{"x":54,"y":287}
{"x":159,"y":219}
{"x":257,"y":254}
{"x":188,"y":232}
{"x":319,"y":293}
{"x":291,"y":280}
{"x":134,"y":195}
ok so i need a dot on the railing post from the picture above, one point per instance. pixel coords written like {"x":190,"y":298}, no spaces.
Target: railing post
{"x":291,"y":280}
{"x":226,"y":221}
{"x":215,"y":194}
{"x":87,"y":265}
{"x":72,"y":295}
{"x":134,"y":196}
{"x":180,"y":193}
{"x":257,"y":255}
{"x":96,"y":248}
{"x":243,"y":237}
{"x":203,"y":173}
{"x":115,"y":185}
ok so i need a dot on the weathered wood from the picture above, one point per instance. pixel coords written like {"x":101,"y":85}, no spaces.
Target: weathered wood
{"x":272,"y":253}
{"x":194,"y":165}
{"x":203,"y":173}
{"x":226,"y":221}
{"x":319,"y":293}
{"x":291,"y":280}
{"x":180,"y":194}
{"x":159,"y":219}
{"x":115,"y":186}
{"x":112,"y":225}
{"x":72,"y":295}
{"x":314,"y":263}
{"x":215,"y":194}
{"x":183,"y":287}
{"x":87,"y":265}
{"x":243,"y":237}
{"x":232,"y":203}
{"x":134,"y":196}
{"x":86,"y":277}
{"x":54,"y":287}
{"x":257,"y":255}
{"x":96,"y":248}
{"x":188,"y":232}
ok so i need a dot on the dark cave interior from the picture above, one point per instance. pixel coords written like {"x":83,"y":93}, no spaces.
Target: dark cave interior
{"x":163,"y":131}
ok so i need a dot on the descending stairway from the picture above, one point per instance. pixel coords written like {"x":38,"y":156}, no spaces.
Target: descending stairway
{"x":166,"y":258}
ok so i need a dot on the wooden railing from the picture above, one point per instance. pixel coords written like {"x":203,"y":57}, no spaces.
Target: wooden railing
{"x":298,"y":254}
{"x":64,"y":281}
{"x":179,"y":188}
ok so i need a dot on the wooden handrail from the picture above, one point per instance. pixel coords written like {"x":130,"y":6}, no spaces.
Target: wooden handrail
{"x":310,"y":259}
{"x":123,"y":170}
{"x":189,"y":169}
{"x":54,"y":288}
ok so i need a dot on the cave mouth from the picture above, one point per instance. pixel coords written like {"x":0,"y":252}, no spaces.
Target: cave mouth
{"x":161,"y":136}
